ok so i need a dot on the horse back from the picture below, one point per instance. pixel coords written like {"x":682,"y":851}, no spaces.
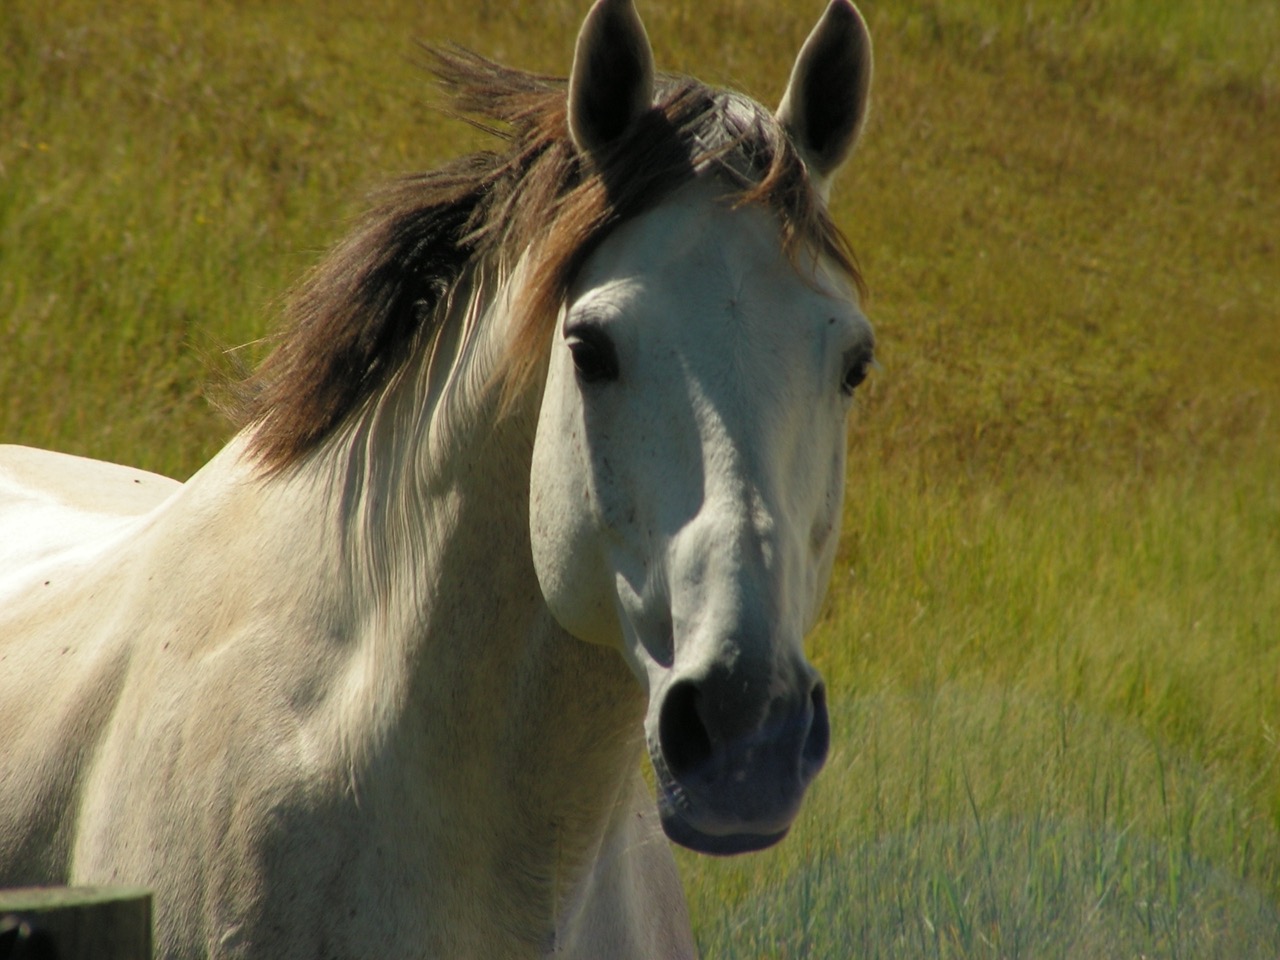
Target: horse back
{"x":79,"y":482}
{"x":50,"y":502}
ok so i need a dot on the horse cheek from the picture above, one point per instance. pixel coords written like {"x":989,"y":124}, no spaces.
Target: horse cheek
{"x":568,"y":557}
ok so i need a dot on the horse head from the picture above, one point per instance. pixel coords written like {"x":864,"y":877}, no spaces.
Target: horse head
{"x":689,"y":460}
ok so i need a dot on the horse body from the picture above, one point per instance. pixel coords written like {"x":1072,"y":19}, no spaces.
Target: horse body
{"x":226,"y":737}
{"x":387,"y":694}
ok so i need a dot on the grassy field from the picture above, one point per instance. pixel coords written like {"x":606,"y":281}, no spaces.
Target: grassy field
{"x":1053,"y":639}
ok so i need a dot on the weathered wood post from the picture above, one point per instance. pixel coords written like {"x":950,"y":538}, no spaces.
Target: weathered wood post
{"x":75,"y":923}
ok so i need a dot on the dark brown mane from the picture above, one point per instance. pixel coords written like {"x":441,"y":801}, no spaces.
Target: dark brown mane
{"x":359,"y":315}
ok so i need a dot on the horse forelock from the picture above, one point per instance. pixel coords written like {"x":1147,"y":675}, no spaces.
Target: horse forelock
{"x":382,"y":293}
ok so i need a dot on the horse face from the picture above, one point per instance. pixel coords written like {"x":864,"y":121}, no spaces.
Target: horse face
{"x":687,"y":485}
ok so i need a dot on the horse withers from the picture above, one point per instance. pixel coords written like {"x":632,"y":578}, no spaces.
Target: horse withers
{"x":545,"y":468}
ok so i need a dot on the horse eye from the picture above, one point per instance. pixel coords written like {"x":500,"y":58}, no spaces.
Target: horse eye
{"x":855,"y":373}
{"x":594,"y":356}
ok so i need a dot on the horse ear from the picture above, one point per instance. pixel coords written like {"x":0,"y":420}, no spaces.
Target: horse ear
{"x":825,"y":105}
{"x":612,"y":81}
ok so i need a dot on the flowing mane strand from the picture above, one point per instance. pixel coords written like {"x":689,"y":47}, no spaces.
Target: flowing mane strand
{"x":383,"y":291}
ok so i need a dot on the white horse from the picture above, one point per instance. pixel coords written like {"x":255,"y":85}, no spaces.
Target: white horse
{"x":547,"y":466}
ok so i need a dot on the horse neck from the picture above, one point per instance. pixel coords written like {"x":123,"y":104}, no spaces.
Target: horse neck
{"x":428,"y":488}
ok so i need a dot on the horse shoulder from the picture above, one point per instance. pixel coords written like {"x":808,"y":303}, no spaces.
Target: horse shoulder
{"x":61,"y":667}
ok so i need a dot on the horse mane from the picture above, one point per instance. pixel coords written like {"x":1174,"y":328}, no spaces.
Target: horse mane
{"x":362,"y":312}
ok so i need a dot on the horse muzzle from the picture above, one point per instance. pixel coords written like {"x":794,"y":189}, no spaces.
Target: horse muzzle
{"x":732,"y":761}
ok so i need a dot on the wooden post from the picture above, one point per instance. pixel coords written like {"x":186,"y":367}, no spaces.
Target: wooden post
{"x":75,"y":923}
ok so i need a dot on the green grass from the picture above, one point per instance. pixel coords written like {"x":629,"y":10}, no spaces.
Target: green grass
{"x":1055,"y":732}
{"x":1053,"y":639}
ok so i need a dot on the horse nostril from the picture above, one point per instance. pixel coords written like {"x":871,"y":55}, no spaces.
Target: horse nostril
{"x":814,"y":753}
{"x":686,"y":744}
